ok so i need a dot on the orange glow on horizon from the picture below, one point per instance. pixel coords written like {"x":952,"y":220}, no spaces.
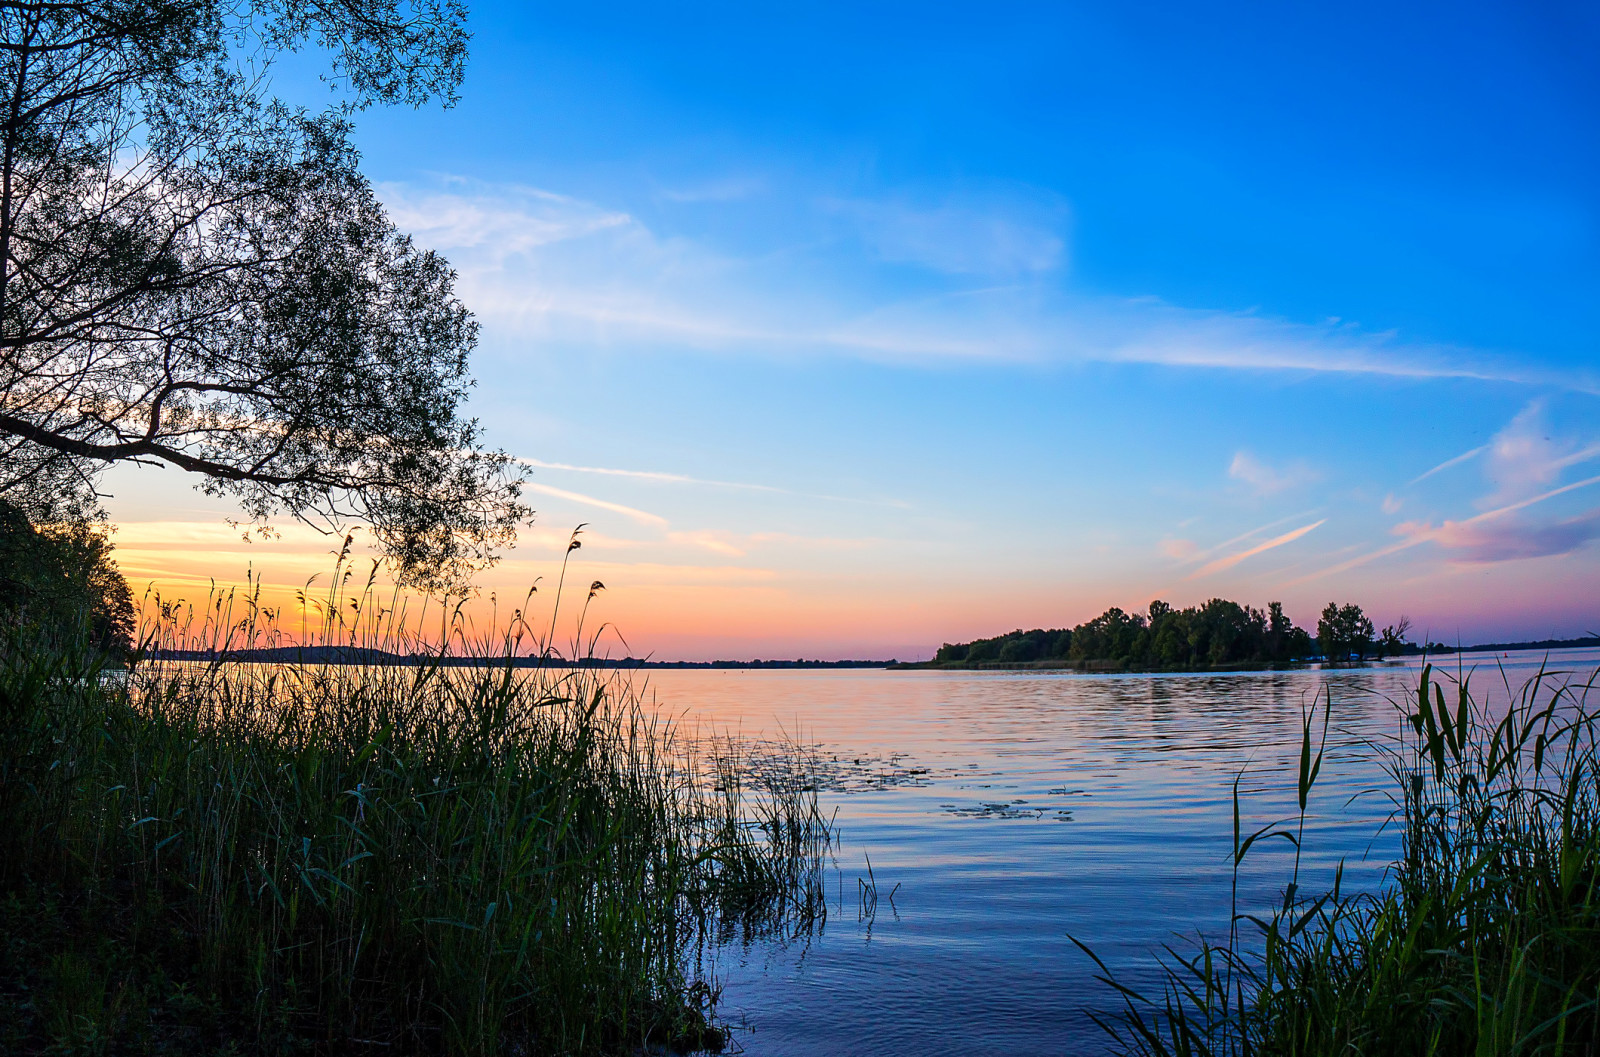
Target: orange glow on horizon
{"x":705,"y":606}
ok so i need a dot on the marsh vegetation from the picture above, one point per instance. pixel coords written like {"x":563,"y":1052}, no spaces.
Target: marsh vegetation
{"x":205,"y":858}
{"x":1484,"y":939}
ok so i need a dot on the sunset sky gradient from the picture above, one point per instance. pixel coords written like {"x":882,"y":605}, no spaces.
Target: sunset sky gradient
{"x":854,"y":329}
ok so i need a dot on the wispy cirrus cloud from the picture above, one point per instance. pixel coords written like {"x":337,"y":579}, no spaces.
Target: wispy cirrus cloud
{"x":646,"y":573}
{"x":959,"y":239}
{"x":717,"y":541}
{"x":1465,"y":456}
{"x":1509,"y":539}
{"x":728,"y":189}
{"x":663,"y":477}
{"x":649,"y":475}
{"x":1231,"y":560}
{"x":1182,"y":550}
{"x":1529,"y":453}
{"x":643,"y":517}
{"x":502,"y":221}
{"x":535,"y":264}
{"x":1185,"y":550}
{"x":1469,"y":536}
{"x":1265,"y":479}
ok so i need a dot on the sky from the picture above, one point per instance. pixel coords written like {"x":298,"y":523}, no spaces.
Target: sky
{"x":849,"y":330}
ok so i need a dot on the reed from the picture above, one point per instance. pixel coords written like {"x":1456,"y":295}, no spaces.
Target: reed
{"x":1485,"y":938}
{"x":277,"y":858}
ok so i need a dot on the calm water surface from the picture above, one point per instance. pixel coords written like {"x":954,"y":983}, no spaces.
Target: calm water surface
{"x":1016,"y":809}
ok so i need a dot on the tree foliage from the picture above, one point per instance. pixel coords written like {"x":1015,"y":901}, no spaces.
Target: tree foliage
{"x":1217,"y":634}
{"x":1344,"y":632}
{"x":59,"y":582}
{"x":195,"y":273}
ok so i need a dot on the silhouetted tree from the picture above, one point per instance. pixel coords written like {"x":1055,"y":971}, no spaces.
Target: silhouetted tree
{"x":194,"y":273}
{"x":1113,"y":635}
{"x":1217,"y":633}
{"x":1278,"y":626}
{"x":1393,"y":640}
{"x":1020,"y":648}
{"x":60,"y":582}
{"x":1343,"y":632}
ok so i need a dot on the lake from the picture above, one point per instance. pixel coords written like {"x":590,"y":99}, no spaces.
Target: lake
{"x":1014,"y":810}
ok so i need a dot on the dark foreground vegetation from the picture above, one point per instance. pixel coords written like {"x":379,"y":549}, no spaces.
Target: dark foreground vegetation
{"x":1216,"y":635}
{"x":61,"y":575}
{"x":278,"y":858}
{"x":194,"y":272}
{"x":1487,"y":939}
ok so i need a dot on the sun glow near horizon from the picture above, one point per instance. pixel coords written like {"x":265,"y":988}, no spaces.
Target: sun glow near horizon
{"x":679,"y":599}
{"x":845,"y":348}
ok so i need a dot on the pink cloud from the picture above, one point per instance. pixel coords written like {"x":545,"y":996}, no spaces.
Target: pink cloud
{"x":1504,"y":539}
{"x":1234,"y":559}
{"x":1180,"y":549}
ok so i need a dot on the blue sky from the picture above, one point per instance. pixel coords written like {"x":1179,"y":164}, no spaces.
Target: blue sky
{"x":855,"y":329}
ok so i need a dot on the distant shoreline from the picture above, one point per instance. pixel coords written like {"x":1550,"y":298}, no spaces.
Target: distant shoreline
{"x":368,"y":656}
{"x":361,"y":655}
{"x":1590,"y":642}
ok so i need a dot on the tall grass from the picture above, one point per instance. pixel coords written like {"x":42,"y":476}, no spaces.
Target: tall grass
{"x":1486,"y":939}
{"x":213,"y":857}
{"x":771,"y":884}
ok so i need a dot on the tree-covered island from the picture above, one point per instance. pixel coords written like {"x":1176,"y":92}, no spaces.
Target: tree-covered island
{"x":1218,"y":634}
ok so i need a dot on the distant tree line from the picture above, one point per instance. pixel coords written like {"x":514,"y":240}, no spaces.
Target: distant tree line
{"x":366,"y":656}
{"x":1218,"y":633}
